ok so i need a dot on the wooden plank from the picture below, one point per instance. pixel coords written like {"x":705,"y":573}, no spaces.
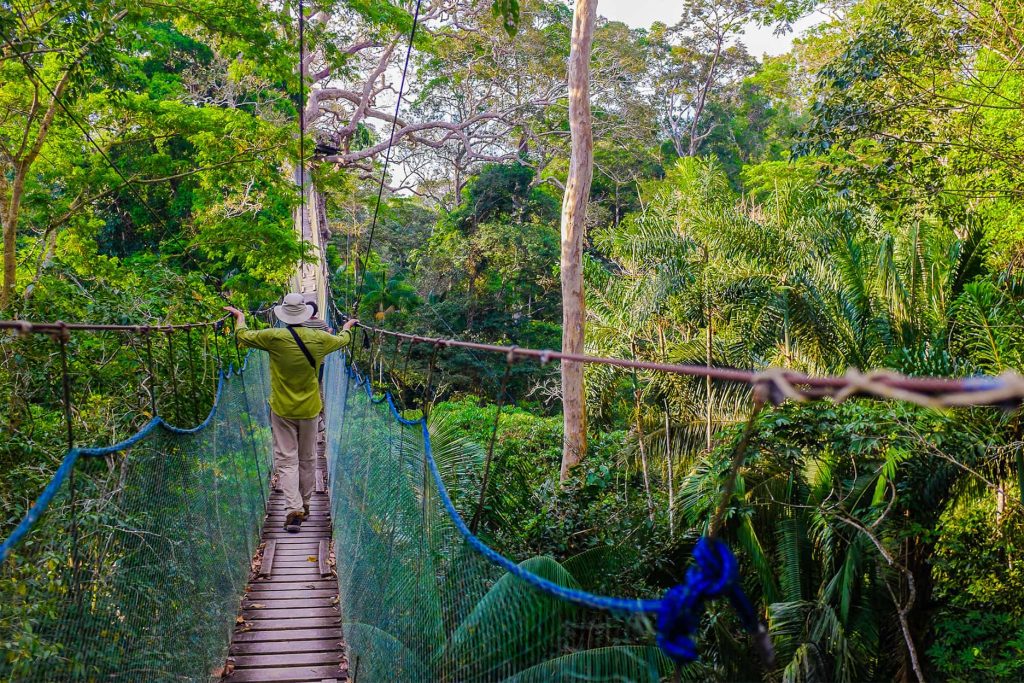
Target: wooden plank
{"x":302,"y":634}
{"x":319,"y":487}
{"x":289,"y":584}
{"x":299,"y":623}
{"x":306,"y":571}
{"x":322,"y":558}
{"x":314,"y":504}
{"x":314,"y":511}
{"x":312,"y":520}
{"x":287,"y":659}
{"x":286,"y":646}
{"x":296,"y":561}
{"x":289,"y":603}
{"x":305,"y":612}
{"x":283,"y":535}
{"x":309,"y":547}
{"x":285,"y":547}
{"x":297,"y":573}
{"x":283,"y":674}
{"x":267,"y":565}
{"x":292,"y":583}
{"x":263,"y":596}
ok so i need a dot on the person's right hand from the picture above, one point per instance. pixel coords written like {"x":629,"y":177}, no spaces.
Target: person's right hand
{"x":239,"y":315}
{"x":349,"y":324}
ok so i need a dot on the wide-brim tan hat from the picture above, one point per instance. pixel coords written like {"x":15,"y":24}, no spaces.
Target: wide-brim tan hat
{"x":293,"y":310}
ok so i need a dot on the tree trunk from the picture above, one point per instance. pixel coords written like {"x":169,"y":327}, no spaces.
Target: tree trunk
{"x":574,"y":211}
{"x":10,"y":227}
{"x":9,"y":261}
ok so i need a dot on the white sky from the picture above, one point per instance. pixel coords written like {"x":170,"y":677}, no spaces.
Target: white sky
{"x":642,"y":13}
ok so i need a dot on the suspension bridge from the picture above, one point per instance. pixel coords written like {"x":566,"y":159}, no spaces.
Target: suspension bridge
{"x":161,"y":556}
{"x":165,"y":558}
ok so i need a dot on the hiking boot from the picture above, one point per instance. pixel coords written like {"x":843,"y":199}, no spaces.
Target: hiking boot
{"x":293,"y":522}
{"x":305,"y":511}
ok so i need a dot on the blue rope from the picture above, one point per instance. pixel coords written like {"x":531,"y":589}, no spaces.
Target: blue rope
{"x":715,"y":572}
{"x":68,"y":464}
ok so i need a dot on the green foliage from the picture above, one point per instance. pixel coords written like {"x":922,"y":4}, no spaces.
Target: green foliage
{"x":881,"y":115}
{"x":854,"y":203}
{"x":973,"y":645}
{"x":508,"y":12}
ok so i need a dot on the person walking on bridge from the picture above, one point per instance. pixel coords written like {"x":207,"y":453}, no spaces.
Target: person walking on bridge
{"x":296,"y":353}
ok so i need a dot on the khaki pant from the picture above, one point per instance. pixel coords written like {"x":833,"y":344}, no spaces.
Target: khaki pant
{"x":294,"y":458}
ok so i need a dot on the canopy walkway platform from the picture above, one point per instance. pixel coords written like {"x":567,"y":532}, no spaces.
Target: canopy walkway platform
{"x":176,"y":566}
{"x":289,"y":628}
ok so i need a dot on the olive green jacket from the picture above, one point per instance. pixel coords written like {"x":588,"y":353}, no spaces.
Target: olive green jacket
{"x":294,"y":390}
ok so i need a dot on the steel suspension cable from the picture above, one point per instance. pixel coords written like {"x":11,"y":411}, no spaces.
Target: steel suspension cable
{"x":1005,"y":390}
{"x":387,"y":155}
{"x":302,"y":131}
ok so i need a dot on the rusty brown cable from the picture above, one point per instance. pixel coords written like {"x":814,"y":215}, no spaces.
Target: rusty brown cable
{"x":739,"y":455}
{"x":813,"y":387}
{"x":63,"y":337}
{"x":171,"y":360}
{"x":152,"y":373}
{"x":475,"y":522}
{"x":428,"y":399}
{"x":192,"y":374}
{"x":29,"y":327}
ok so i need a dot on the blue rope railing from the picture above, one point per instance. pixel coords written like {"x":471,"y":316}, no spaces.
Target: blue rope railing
{"x":68,"y":463}
{"x":713,"y":574}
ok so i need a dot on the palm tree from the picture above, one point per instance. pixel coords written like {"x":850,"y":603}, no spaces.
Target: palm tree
{"x":812,"y":282}
{"x":381,"y":295}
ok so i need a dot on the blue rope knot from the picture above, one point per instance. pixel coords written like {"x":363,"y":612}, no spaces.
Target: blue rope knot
{"x":714,"y":573}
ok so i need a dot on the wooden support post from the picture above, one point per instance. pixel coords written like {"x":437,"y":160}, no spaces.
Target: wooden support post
{"x":267,"y":566}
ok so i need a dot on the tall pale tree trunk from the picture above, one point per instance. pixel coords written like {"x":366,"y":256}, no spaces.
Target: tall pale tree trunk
{"x":9,"y":241}
{"x":19,"y":164}
{"x":574,"y":212}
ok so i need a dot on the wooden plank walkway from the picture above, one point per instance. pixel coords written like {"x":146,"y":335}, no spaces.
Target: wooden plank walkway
{"x":289,"y":628}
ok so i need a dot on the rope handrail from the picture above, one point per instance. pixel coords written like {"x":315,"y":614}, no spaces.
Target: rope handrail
{"x":29,"y":327}
{"x":779,"y":384}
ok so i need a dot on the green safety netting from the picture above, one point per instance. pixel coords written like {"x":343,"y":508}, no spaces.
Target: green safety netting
{"x":146,"y":560}
{"x":418,"y":601}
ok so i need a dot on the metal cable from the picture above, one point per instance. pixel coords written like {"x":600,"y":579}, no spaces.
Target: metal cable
{"x":387,"y":155}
